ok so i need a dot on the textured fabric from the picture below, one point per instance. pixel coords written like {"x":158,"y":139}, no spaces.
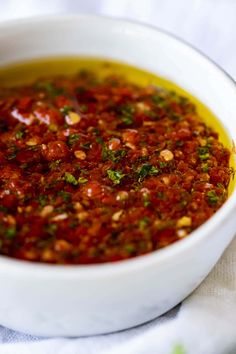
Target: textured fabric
{"x":205,"y":322}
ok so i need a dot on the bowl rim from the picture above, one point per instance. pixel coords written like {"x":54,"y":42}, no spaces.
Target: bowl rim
{"x":55,"y":271}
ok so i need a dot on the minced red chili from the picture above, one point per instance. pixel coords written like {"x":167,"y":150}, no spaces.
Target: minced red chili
{"x":98,"y":170}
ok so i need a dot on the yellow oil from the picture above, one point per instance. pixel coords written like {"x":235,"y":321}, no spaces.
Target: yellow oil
{"x":28,"y":71}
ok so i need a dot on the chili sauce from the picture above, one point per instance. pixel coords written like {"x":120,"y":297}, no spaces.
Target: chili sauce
{"x":101,"y":162}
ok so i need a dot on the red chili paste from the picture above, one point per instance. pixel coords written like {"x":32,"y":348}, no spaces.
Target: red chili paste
{"x":98,"y":170}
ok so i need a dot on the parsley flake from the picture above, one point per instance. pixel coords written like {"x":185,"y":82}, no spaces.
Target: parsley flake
{"x":129,"y":248}
{"x":203,"y":153}
{"x":66,"y":109}
{"x":10,"y":232}
{"x":144,"y":222}
{"x":145,"y":170}
{"x":51,"y":229}
{"x":114,"y":156}
{"x":43,"y":200}
{"x":69,"y":178}
{"x":49,"y":88}
{"x":212,"y":197}
{"x":127,"y":114}
{"x":66,"y":196}
{"x":82,"y":180}
{"x":19,"y":134}
{"x":73,"y":138}
{"x":86,"y":146}
{"x":115,"y":176}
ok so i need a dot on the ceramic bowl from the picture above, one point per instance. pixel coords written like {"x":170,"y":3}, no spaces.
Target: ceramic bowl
{"x":49,"y":300}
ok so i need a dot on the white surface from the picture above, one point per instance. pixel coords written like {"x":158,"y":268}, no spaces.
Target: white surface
{"x":218,"y":40}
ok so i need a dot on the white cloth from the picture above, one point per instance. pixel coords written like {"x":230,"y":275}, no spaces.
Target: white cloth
{"x":205,"y":322}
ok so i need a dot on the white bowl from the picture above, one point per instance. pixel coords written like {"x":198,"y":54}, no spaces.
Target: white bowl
{"x":54,"y":300}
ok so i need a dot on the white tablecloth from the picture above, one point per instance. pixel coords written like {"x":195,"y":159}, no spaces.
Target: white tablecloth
{"x":205,"y":322}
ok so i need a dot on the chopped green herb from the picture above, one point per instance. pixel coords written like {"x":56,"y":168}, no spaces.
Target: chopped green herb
{"x":127,"y":113}
{"x":143,"y":222}
{"x":10,"y":232}
{"x":86,"y":146}
{"x":73,"y":224}
{"x":33,"y":148}
{"x":158,"y":100}
{"x":82,"y":180}
{"x":3,"y":209}
{"x":145,"y":170}
{"x":118,"y":155}
{"x":183,"y":100}
{"x":83,"y":108}
{"x":24,"y":165}
{"x":127,"y":120}
{"x":205,"y":167}
{"x":51,"y":229}
{"x":66,"y":109}
{"x":169,"y":143}
{"x":19,"y":134}
{"x":105,"y":152}
{"x":203,"y":153}
{"x":61,"y":209}
{"x":115,"y":176}
{"x":162,"y":164}
{"x":84,"y":172}
{"x":151,"y":114}
{"x":183,"y":203}
{"x":179,"y":143}
{"x":114,"y":156}
{"x":175,"y":117}
{"x":43,"y":200}
{"x":129,"y":248}
{"x":96,"y":131}
{"x":161,"y":195}
{"x":69,"y":178}
{"x":153,"y":171}
{"x":146,"y":201}
{"x":12,"y":154}
{"x":80,"y":90}
{"x":212,"y":197}
{"x":73,"y":138}
{"x":66,"y":196}
{"x":100,"y":140}
{"x":54,"y":164}
{"x":49,"y":88}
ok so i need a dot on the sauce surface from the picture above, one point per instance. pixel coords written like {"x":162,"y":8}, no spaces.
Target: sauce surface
{"x":98,"y":168}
